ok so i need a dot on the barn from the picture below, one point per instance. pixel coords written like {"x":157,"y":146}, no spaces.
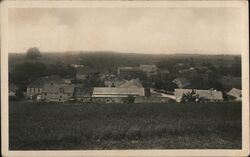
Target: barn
{"x":115,"y":95}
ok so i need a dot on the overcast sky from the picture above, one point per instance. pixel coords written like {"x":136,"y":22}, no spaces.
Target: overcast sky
{"x":136,"y":30}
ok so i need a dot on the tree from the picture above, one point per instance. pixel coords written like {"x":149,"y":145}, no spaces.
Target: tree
{"x":192,"y":97}
{"x":27,"y":72}
{"x":33,"y":53}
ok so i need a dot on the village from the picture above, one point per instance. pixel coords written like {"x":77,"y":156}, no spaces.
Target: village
{"x":132,"y":84}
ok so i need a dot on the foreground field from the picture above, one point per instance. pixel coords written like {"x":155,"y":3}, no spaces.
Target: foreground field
{"x":124,"y":126}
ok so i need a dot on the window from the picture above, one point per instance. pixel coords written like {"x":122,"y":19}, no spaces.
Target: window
{"x":68,"y":94}
{"x":60,"y":96}
{"x":45,"y":94}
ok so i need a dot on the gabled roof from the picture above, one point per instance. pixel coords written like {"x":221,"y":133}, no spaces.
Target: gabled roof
{"x":56,"y":87}
{"x":183,"y":82}
{"x":208,"y":94}
{"x":135,"y":83}
{"x":234,"y":92}
{"x":98,"y":91}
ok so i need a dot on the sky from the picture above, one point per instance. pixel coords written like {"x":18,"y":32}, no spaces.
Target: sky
{"x":133,"y":30}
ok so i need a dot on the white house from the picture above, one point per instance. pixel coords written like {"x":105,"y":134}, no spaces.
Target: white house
{"x":235,"y":94}
{"x":149,"y":69}
{"x":181,"y":82}
{"x":36,"y":87}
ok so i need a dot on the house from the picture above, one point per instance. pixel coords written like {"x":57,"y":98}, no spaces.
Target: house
{"x":57,"y":92}
{"x":115,"y":95}
{"x":12,"y":90}
{"x":130,"y":72}
{"x":235,"y":94}
{"x":181,"y":82}
{"x":209,"y":95}
{"x":149,"y":69}
{"x":83,"y":94}
{"x":231,"y":82}
{"x":36,"y":87}
{"x":133,"y":83}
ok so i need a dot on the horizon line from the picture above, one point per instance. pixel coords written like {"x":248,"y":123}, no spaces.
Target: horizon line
{"x":119,"y":52}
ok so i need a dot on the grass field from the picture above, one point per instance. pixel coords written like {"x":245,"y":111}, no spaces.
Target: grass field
{"x":124,"y":126}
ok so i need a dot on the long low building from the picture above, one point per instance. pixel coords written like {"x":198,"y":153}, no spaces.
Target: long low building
{"x":209,"y":95}
{"x":115,"y":95}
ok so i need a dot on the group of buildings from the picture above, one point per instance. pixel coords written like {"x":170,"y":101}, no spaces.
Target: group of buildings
{"x":118,"y":88}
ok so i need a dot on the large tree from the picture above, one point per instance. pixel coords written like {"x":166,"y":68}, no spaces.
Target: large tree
{"x":33,"y":53}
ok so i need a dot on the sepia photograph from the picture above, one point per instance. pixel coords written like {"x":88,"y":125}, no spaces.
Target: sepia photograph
{"x":125,"y":76}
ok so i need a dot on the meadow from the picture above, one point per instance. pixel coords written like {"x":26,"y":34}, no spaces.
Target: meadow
{"x":60,"y":126}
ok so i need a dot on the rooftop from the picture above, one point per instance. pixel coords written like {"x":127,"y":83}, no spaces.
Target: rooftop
{"x":117,"y":91}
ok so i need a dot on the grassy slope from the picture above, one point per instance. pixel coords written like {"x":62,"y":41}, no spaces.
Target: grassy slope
{"x":124,"y":126}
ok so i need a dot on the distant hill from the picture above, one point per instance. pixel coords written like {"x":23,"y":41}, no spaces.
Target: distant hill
{"x":108,"y":60}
